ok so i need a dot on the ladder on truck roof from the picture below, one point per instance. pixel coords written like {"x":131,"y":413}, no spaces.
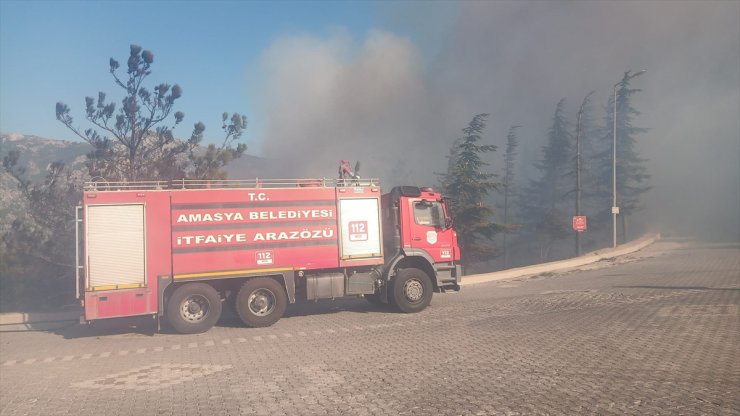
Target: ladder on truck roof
{"x":103,"y":185}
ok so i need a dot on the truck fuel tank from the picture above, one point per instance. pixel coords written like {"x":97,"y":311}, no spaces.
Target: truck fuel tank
{"x":324,"y":286}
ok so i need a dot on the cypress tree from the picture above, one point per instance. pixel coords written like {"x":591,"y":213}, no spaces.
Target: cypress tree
{"x":545,"y":214}
{"x":468,"y":185}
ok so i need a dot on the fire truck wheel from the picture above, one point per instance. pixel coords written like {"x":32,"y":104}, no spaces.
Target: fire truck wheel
{"x":261,"y":302}
{"x":411,"y":290}
{"x":193,"y":308}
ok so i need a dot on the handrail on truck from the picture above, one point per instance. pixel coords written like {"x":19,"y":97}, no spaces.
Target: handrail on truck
{"x":101,"y":186}
{"x":78,"y":220}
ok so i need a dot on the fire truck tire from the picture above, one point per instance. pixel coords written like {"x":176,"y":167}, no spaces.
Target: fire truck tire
{"x":411,"y":290}
{"x":193,"y":308}
{"x":261,"y":302}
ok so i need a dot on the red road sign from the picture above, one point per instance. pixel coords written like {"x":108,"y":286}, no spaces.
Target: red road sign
{"x":579,"y":223}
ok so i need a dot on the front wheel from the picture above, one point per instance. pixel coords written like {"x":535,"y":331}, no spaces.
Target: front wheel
{"x":411,"y":290}
{"x":261,"y":302}
{"x":193,"y":308}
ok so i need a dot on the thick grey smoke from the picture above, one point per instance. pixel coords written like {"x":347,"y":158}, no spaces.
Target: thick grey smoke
{"x":331,"y":98}
{"x":378,"y":100}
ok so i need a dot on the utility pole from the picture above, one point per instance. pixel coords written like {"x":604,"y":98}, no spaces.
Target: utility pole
{"x":578,"y":167}
{"x":615,"y":208}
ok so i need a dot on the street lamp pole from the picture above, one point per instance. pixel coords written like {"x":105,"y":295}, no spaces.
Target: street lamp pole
{"x":615,"y":208}
{"x":578,"y":167}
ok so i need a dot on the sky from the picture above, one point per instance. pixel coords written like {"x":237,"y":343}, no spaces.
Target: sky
{"x":58,"y":51}
{"x":392,"y":83}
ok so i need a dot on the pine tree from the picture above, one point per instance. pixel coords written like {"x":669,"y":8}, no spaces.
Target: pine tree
{"x":134,"y":142}
{"x":209,"y":164}
{"x":631,"y":173}
{"x":468,"y":185}
{"x":507,"y":184}
{"x":543,"y":202}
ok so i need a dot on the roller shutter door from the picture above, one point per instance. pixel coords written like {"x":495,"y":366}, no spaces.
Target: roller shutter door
{"x":115,"y":246}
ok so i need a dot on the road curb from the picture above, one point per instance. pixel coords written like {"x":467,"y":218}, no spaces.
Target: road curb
{"x":74,"y":315}
{"x":583,"y":260}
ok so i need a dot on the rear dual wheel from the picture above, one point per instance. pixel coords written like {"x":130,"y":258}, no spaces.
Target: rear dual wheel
{"x":261,"y":302}
{"x":193,"y":308}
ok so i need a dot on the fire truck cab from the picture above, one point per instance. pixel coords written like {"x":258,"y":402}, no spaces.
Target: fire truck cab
{"x":181,"y":250}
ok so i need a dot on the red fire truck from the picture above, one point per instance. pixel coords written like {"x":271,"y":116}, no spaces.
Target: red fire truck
{"x":181,"y":249}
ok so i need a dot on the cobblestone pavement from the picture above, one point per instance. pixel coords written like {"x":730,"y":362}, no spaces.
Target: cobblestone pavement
{"x":656,"y":334}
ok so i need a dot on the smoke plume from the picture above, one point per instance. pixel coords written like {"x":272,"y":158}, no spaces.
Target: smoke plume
{"x":380,"y":100}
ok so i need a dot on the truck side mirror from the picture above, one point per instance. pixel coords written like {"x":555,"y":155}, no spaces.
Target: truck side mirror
{"x":448,"y":223}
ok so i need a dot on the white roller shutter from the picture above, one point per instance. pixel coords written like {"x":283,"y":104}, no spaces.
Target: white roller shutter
{"x":115,"y":245}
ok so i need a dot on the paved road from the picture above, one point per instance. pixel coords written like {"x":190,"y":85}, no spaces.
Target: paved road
{"x":656,"y":334}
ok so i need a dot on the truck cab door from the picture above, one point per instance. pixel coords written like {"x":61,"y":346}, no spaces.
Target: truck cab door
{"x":427,"y":229}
